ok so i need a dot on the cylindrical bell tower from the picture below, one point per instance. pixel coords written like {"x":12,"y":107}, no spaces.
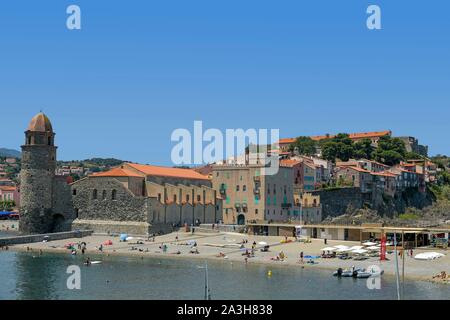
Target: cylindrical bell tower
{"x":37,"y":177}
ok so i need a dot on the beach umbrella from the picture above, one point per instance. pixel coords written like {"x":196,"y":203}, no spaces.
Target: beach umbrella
{"x":123,"y":237}
{"x":262,"y":243}
{"x":360,"y":251}
{"x":342,"y":247}
{"x":429,"y":256}
{"x":357,"y":248}
{"x":343,"y":250}
{"x":373,"y":248}
{"x":129,"y":239}
{"x":369,"y":244}
{"x":329,"y":249}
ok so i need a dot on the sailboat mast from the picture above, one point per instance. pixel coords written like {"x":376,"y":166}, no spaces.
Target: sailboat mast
{"x":396,"y":266}
{"x":207,"y":292}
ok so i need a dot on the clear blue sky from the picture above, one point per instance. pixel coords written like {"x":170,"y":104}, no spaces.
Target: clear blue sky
{"x":139,"y":69}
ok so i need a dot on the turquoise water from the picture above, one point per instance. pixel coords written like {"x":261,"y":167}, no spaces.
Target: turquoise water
{"x":23,"y":276}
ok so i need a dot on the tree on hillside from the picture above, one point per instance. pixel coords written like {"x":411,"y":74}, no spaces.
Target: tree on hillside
{"x":363,"y":149}
{"x":340,"y":147}
{"x":413,"y":156}
{"x":390,"y":151}
{"x":304,"y":145}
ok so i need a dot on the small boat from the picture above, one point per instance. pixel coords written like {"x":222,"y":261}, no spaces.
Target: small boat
{"x":346,"y":273}
{"x":369,"y":274}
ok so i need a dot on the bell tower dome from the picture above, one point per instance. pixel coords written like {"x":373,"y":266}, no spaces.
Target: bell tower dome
{"x":37,"y":176}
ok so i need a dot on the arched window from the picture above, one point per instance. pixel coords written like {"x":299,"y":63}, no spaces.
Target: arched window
{"x":104,"y":195}
{"x":114,"y":194}
{"x":94,"y":194}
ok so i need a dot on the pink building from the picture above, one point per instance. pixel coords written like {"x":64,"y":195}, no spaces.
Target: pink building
{"x":10,"y":193}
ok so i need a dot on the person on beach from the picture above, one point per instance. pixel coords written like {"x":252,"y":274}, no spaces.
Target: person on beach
{"x":88,"y":262}
{"x":301,"y":257}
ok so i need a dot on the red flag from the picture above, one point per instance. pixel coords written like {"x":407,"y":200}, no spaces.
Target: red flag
{"x":383,"y":249}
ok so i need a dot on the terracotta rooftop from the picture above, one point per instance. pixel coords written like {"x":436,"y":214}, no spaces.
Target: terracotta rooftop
{"x":40,"y":123}
{"x":117,"y":172}
{"x":287,"y":141}
{"x":384,"y":174}
{"x":289,"y":163}
{"x":8,"y":188}
{"x":149,"y":170}
{"x":355,"y":168}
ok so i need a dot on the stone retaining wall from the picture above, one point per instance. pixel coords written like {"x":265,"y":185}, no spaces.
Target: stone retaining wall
{"x":9,"y":241}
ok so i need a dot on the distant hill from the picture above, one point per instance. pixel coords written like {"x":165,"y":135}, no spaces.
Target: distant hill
{"x":10,"y":153}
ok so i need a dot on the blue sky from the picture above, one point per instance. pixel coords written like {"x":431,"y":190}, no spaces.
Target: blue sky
{"x":137,"y":70}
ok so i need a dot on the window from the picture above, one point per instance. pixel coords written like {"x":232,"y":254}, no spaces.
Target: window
{"x":256,"y":211}
{"x":94,"y":194}
{"x":49,"y":141}
{"x":187,"y":198}
{"x":114,"y":195}
{"x":244,"y":188}
{"x":76,"y":213}
{"x":237,"y":188}
{"x":175,"y":198}
{"x":104,"y":195}
{"x":199,"y":198}
{"x":74,"y":192}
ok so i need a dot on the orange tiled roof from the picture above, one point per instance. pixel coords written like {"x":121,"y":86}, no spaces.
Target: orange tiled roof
{"x":287,"y":141}
{"x":168,"y":172}
{"x":384,"y":174}
{"x":355,"y":168}
{"x":40,"y":123}
{"x":117,"y":172}
{"x":7,"y":188}
{"x":288,"y":162}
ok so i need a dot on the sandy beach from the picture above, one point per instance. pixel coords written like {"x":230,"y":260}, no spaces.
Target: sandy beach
{"x":211,"y":245}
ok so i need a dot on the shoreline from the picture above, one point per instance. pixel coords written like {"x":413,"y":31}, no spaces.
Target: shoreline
{"x":420,"y":272}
